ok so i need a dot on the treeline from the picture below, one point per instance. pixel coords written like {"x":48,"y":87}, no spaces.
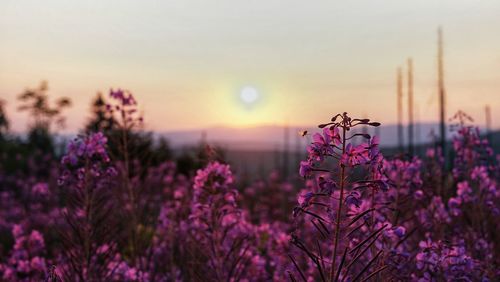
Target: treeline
{"x":42,"y":140}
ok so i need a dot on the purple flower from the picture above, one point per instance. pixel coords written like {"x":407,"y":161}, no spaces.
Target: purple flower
{"x":214,"y":176}
{"x":326,"y":185}
{"x":454,"y":205}
{"x":41,"y":189}
{"x":354,"y":155}
{"x":400,"y":231}
{"x":373,"y":147}
{"x":89,"y":147}
{"x":305,"y":168}
{"x":353,"y":198}
{"x":419,"y":194}
{"x":305,"y":198}
{"x":464,"y":191}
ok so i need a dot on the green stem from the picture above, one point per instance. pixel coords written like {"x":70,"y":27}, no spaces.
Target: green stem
{"x":126,"y":175}
{"x":341,"y":200}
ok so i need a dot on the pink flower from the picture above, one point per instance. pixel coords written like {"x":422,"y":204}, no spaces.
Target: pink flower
{"x":305,"y":198}
{"x":305,"y":168}
{"x":214,"y":176}
{"x":41,"y":189}
{"x":464,"y":191}
{"x":354,"y":155}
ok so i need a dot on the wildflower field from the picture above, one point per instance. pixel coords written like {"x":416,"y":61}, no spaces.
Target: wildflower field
{"x":114,"y":204}
{"x":253,"y":141}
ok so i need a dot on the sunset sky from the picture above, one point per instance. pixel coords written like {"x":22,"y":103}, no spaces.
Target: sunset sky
{"x":303,"y":61}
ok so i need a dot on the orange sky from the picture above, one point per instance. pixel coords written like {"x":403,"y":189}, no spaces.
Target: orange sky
{"x":187,"y":61}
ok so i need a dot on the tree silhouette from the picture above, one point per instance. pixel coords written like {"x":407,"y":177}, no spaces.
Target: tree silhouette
{"x":36,"y":102}
{"x":4,"y":122}
{"x":101,"y":119}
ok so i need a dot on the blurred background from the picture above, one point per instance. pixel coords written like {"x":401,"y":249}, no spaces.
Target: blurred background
{"x":247,"y":76}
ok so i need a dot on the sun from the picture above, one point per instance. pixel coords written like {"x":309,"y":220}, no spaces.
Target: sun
{"x":249,"y":95}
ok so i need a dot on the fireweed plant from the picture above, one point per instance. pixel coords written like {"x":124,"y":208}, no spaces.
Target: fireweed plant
{"x":467,"y":248}
{"x":88,"y":240}
{"x":452,"y":227}
{"x":26,"y":261}
{"x":204,"y":235}
{"x":124,"y":112}
{"x":341,"y":228}
{"x":217,"y":224}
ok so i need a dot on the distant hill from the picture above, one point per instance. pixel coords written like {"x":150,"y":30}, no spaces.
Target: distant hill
{"x":254,"y":153}
{"x":270,"y":138}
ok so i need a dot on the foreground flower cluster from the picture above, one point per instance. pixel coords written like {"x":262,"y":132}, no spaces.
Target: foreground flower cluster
{"x":353,"y":214}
